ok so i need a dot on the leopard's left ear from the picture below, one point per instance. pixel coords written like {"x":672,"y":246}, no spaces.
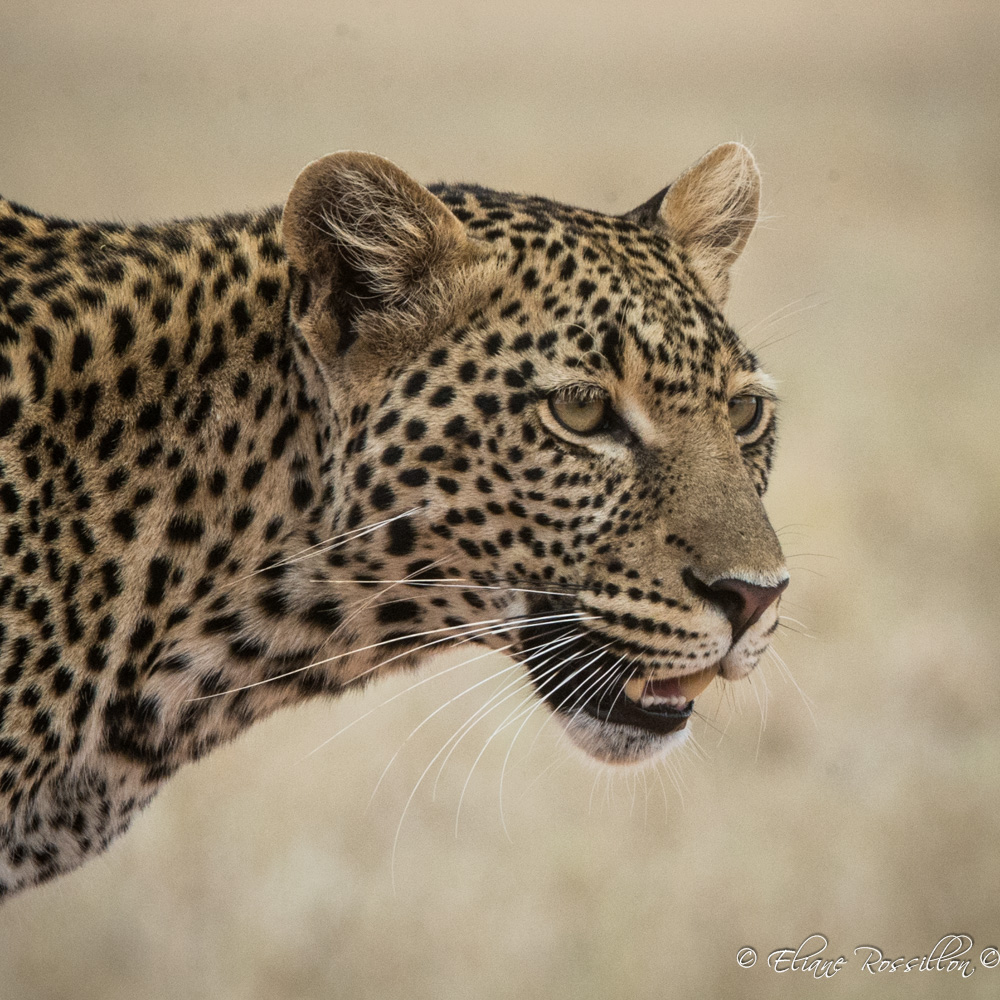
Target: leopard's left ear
{"x":372,"y":243}
{"x":710,"y":211}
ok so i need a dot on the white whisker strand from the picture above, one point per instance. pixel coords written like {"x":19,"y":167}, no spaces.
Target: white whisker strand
{"x":787,"y":673}
{"x":441,"y":708}
{"x":334,"y":542}
{"x":525,"y":684}
{"x":663,"y":789}
{"x":508,"y":721}
{"x":557,"y":761}
{"x":593,"y":788}
{"x":451,"y":584}
{"x":503,"y":770}
{"x":399,"y":694}
{"x":503,"y":623}
{"x":549,"y":651}
{"x":366,"y":602}
{"x":399,"y":827}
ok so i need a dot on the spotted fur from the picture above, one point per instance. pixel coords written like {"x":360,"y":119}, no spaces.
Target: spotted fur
{"x":256,"y":458}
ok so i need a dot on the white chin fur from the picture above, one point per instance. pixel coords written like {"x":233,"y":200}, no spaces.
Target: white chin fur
{"x":609,"y":743}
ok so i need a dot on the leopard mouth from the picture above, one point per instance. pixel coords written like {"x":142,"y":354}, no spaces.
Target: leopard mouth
{"x":648,"y":708}
{"x":658,"y":705}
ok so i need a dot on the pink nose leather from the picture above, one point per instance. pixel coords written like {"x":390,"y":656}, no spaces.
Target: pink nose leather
{"x":741,"y":602}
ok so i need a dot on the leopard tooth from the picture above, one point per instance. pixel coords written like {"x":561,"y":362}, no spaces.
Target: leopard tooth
{"x":693,"y":684}
{"x":634,"y":688}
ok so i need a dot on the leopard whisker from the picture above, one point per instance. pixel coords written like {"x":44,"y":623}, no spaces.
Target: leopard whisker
{"x":604,"y":678}
{"x":420,"y":683}
{"x":505,"y":723}
{"x":364,"y":603}
{"x":548,"y":650}
{"x":500,"y":624}
{"x":399,"y":827}
{"x":331,"y":543}
{"x":787,"y":673}
{"x":450,"y":584}
{"x":427,"y":719}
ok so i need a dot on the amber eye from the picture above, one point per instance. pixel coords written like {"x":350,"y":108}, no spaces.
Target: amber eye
{"x":579,"y":415}
{"x":745,"y":413}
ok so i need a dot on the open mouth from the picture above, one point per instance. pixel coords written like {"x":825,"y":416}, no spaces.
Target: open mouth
{"x":658,"y":705}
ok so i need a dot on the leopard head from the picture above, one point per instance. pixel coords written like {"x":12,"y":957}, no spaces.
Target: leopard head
{"x":542,"y":433}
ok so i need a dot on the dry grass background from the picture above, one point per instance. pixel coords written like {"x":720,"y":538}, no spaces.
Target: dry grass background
{"x":871,"y":291}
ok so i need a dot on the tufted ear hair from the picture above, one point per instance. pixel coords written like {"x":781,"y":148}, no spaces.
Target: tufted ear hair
{"x":710,"y":211}
{"x":368,"y":239}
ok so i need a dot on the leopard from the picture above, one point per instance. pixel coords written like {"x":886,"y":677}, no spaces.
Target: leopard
{"x":259,"y":458}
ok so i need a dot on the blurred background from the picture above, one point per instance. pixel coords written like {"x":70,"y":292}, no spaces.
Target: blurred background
{"x":855,"y":794}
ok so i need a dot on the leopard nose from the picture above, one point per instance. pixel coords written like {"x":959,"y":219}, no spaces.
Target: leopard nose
{"x":741,"y":602}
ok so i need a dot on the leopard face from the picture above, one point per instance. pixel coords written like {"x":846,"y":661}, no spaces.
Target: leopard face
{"x":572,"y":448}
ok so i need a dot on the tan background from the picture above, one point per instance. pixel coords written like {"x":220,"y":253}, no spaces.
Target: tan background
{"x":871,"y":290}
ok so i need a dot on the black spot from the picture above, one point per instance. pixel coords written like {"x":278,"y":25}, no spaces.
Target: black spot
{"x":363,"y":476}
{"x":217,"y":555}
{"x":288,"y":427}
{"x":10,"y":413}
{"x":402,"y":537}
{"x":230,"y":436}
{"x":185,"y":530}
{"x":398,"y":611}
{"x":442,"y":396}
{"x":124,"y":524}
{"x":128,"y":382}
{"x":253,"y":475}
{"x":243,"y":518}
{"x":62,"y":681}
{"x":108,"y":444}
{"x":186,"y":488}
{"x":324,"y":614}
{"x":268,"y":290}
{"x":487,"y":404}
{"x":10,"y":499}
{"x":160,"y":353}
{"x":273,"y":602}
{"x":222,"y":623}
{"x":455,"y":427}
{"x":302,"y":493}
{"x":413,"y":477}
{"x":383,"y":496}
{"x":150,"y":417}
{"x":387,"y":422}
{"x":415,"y":384}
{"x":241,"y":317}
{"x":124,"y":331}
{"x":157,"y":576}
{"x":263,"y":347}
{"x":142,"y":634}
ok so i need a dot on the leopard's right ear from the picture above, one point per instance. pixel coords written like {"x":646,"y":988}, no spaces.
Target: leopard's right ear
{"x":369,"y":241}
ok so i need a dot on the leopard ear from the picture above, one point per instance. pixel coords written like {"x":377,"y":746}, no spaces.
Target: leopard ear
{"x":710,"y":211}
{"x":367,"y":239}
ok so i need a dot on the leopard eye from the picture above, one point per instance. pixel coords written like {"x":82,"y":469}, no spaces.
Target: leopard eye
{"x":579,"y":415}
{"x":745,"y":413}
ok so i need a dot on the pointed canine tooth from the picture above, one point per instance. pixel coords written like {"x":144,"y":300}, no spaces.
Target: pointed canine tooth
{"x":634,"y":689}
{"x":694,"y":684}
